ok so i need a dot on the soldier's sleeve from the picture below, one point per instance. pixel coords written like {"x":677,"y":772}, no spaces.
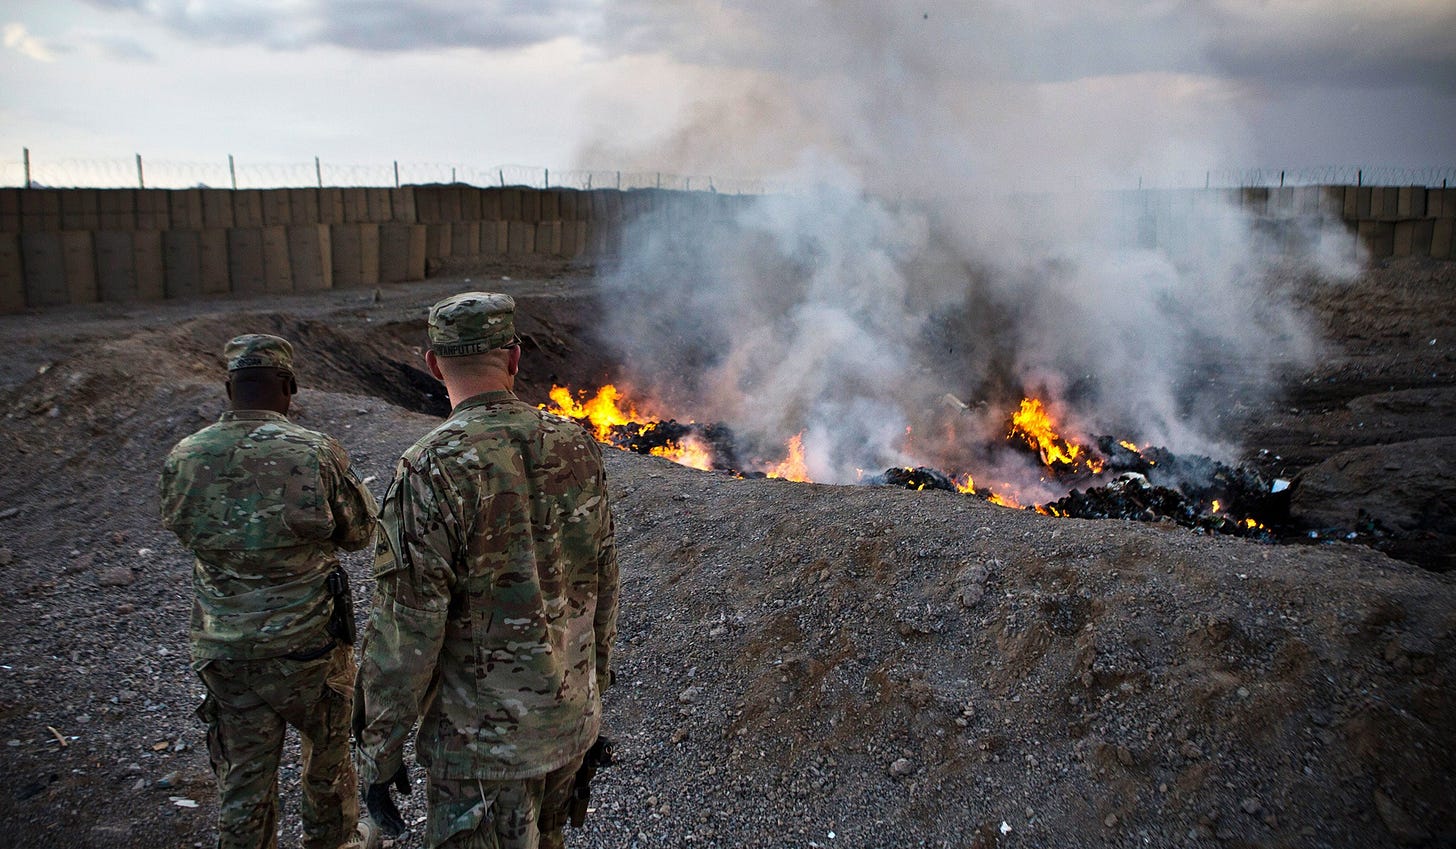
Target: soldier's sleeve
{"x":605,"y":621}
{"x":351,"y":502}
{"x":419,"y":531}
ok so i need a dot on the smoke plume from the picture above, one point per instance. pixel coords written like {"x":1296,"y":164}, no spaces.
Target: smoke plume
{"x":955,"y":231}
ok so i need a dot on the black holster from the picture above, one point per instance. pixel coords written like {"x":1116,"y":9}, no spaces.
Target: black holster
{"x":599,"y":755}
{"x":341,"y":620}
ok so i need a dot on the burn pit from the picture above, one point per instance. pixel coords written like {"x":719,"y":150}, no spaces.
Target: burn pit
{"x":1105,"y":478}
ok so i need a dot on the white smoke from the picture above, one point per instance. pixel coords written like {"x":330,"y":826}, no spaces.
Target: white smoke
{"x":949,"y":230}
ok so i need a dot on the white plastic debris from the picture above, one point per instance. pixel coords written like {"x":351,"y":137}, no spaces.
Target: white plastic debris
{"x":1005,"y":827}
{"x":182,"y":802}
{"x":1280,"y":484}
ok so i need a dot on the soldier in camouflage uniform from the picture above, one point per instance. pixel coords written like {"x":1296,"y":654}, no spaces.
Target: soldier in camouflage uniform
{"x":264,"y":504}
{"x":495,"y":601}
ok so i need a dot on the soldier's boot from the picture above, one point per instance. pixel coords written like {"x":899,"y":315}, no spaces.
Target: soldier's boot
{"x":366,"y":836}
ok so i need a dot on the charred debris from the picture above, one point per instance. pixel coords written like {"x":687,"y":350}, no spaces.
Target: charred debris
{"x":1121,"y":481}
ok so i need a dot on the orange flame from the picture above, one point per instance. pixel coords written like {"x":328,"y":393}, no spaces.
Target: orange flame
{"x":1034,"y":424}
{"x":793,"y":467}
{"x":967,"y":486}
{"x":691,"y":452}
{"x":602,"y":411}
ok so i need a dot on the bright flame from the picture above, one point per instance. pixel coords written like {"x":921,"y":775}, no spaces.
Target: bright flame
{"x":792,"y":468}
{"x":1003,"y":501}
{"x":1034,"y":424}
{"x":601,"y":411}
{"x":1215,"y":505}
{"x":691,"y":452}
{"x":967,"y":486}
{"x":1129,"y":446}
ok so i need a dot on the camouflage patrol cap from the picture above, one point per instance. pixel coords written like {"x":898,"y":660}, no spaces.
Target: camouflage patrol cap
{"x":473,"y":323}
{"x":259,"y":350}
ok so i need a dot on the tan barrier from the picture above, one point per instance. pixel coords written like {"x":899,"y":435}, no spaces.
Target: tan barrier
{"x":464,"y":238}
{"x":248,"y":208}
{"x":245,"y":261}
{"x":77,"y":246}
{"x":118,"y":276}
{"x":9,"y":210}
{"x":12,"y":275}
{"x":355,"y":254}
{"x":277,"y":208}
{"x":310,"y":254}
{"x":401,"y":252}
{"x":182,"y":263}
{"x":217,"y":209}
{"x":277,"y":271}
{"x":80,"y":210}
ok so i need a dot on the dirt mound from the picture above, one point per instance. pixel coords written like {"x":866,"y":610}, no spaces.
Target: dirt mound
{"x":800,"y":664}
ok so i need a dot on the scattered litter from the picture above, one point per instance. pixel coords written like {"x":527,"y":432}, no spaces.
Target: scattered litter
{"x":59,"y":737}
{"x":1005,"y":827}
{"x":160,"y":746}
{"x":182,"y":801}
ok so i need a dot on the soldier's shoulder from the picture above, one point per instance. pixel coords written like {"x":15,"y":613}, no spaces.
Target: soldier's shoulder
{"x":205,"y":440}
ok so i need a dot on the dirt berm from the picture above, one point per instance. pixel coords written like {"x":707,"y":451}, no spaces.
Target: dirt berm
{"x":800,"y":665}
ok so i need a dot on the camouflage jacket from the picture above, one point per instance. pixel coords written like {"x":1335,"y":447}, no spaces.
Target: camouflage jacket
{"x":263,"y":504}
{"x":495,"y":598}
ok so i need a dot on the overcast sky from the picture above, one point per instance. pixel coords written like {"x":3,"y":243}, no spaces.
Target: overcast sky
{"x":969,"y":90}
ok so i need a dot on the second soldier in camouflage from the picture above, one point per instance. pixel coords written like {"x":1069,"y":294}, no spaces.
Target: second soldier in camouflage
{"x":495,"y":600}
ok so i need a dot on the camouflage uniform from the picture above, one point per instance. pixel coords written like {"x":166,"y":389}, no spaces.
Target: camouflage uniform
{"x":264,"y":504}
{"x":495,"y":606}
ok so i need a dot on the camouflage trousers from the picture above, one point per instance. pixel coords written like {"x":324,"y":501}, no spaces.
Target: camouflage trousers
{"x":468,"y":813}
{"x":249,"y":705}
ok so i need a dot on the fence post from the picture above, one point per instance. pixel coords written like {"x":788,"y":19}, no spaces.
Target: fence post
{"x":502,"y":173}
{"x":141,"y":181}
{"x":27,"y":166}
{"x":659,"y":179}
{"x":233,"y":172}
{"x":619,"y":181}
{"x":1360,"y":177}
{"x":546,"y":181}
{"x":318,"y":172}
{"x":452,"y":174}
{"x":396,"y":173}
{"x":1281,"y":178}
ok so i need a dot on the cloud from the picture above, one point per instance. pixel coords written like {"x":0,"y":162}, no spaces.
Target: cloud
{"x":16,"y":37}
{"x":1403,"y":42}
{"x":121,"y":49}
{"x":370,"y":25}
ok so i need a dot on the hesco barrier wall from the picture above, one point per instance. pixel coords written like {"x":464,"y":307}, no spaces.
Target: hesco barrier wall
{"x":74,"y":246}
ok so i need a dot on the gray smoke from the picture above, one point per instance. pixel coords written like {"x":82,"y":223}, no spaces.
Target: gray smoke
{"x":944,"y":233}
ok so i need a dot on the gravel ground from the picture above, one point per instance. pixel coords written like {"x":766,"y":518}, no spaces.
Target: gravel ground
{"x":800,"y":665}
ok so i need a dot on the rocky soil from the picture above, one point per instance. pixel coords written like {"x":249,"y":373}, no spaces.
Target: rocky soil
{"x":800,"y":665}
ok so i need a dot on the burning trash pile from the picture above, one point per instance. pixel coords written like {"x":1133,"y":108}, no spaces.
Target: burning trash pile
{"x":1108,"y":479}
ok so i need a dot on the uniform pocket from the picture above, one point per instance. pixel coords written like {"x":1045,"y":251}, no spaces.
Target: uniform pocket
{"x":211,"y":715}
